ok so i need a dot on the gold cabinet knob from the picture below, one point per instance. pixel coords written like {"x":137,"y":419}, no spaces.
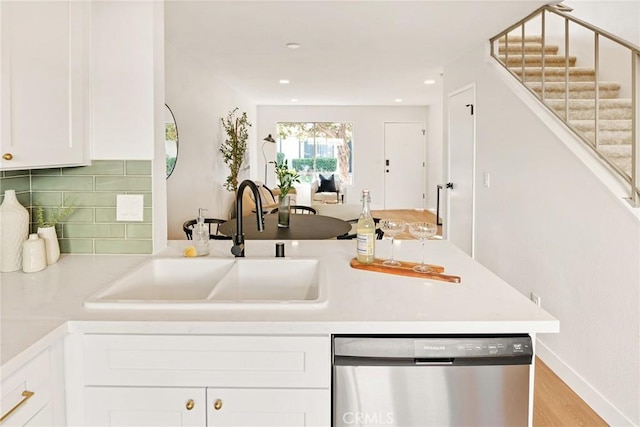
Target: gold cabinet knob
{"x":7,"y":156}
{"x":217,"y":405}
{"x":190,"y":404}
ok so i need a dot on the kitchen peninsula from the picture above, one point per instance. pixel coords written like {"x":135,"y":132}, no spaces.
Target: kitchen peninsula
{"x":234,"y":358}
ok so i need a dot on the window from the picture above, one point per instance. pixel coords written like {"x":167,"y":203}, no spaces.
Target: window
{"x":314,"y":148}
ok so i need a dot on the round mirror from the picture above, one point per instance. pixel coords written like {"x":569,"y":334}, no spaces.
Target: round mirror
{"x":170,"y":140}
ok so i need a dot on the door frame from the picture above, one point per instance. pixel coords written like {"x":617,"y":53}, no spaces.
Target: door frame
{"x":424,"y":156}
{"x":447,"y":166}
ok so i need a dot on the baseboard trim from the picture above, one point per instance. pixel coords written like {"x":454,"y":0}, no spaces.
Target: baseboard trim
{"x":592,"y":397}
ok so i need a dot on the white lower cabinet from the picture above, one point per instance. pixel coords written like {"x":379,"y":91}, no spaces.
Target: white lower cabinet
{"x":204,"y":380}
{"x":268,"y":407}
{"x":145,"y":406}
{"x":33,"y":394}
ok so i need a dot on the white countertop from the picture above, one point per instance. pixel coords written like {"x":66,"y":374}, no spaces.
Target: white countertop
{"x":39,"y":307}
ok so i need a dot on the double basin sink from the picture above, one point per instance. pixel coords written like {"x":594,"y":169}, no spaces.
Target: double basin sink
{"x":209,"y":283}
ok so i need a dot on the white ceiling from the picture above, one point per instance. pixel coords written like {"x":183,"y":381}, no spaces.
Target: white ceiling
{"x":353,"y":52}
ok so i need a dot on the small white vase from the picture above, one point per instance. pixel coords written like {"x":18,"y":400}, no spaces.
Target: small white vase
{"x":34,"y":254}
{"x":50,"y":237}
{"x":14,"y":229}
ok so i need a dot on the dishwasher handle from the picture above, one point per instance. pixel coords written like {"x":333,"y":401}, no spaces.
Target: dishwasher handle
{"x":391,"y":361}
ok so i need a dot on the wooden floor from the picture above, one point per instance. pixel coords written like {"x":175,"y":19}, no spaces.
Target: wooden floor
{"x":408,"y":215}
{"x":554,"y":403}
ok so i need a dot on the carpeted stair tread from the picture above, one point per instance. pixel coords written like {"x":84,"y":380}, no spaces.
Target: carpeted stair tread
{"x":608,"y":125}
{"x":589,"y":104}
{"x":518,"y":38}
{"x":533,"y":60}
{"x":584,"y":109}
{"x":608,"y":137}
{"x":528,"y":48}
{"x":582,"y":90}
{"x":619,"y":155}
{"x":555,"y":74}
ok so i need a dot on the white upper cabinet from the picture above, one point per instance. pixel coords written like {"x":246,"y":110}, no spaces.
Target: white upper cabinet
{"x":44,"y":108}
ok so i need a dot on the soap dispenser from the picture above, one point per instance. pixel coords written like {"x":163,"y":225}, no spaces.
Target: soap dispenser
{"x":201,"y":235}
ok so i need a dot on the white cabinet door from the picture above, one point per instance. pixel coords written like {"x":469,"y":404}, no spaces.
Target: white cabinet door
{"x":25,"y":395}
{"x":44,"y":84}
{"x":140,"y":406}
{"x":268,"y":407}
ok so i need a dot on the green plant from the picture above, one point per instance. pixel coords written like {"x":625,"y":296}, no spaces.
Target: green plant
{"x":54,"y":216}
{"x":286,"y":178}
{"x":235,"y":146}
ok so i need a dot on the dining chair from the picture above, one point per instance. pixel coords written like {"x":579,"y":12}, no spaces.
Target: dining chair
{"x":213,"y":223}
{"x":299,"y":209}
{"x":354,"y":222}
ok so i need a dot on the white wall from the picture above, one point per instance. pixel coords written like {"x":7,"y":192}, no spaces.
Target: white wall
{"x":368,"y":135}
{"x":122,"y":80}
{"x":198,"y":101}
{"x":548,"y":225}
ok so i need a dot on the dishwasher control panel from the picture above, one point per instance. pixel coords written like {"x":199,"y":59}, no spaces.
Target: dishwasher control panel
{"x":426,"y":347}
{"x":472,"y":347}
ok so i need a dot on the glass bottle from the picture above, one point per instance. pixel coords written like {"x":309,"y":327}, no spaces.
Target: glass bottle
{"x":201,"y":235}
{"x":366,"y":232}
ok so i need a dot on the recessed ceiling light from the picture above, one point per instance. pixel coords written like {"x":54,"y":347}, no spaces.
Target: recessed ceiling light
{"x":398,"y":99}
{"x":293,"y":45}
{"x":284,"y":81}
{"x":429,"y":82}
{"x":294,"y":99}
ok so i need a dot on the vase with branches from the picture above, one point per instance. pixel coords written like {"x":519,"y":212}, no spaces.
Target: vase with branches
{"x":47,"y":229}
{"x":286,"y":177}
{"x":235,"y":145}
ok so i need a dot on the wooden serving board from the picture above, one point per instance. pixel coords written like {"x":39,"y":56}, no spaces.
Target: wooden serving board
{"x":405,"y":269}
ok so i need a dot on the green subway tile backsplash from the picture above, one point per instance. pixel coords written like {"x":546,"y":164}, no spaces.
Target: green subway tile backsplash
{"x":47,"y":198}
{"x":138,"y":167}
{"x":18,"y":183}
{"x":74,"y":231}
{"x":104,"y":167}
{"x":122,"y":183}
{"x":76,"y":246}
{"x":92,"y":190}
{"x":139,"y":231}
{"x":57,"y":183}
{"x":123,"y":246}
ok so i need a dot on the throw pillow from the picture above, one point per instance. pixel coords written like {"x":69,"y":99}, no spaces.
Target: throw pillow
{"x":327,"y":185}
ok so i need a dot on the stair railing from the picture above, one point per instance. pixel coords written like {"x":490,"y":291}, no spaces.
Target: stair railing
{"x":561,"y":10}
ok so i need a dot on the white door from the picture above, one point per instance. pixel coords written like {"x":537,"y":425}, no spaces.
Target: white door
{"x":234,"y":407}
{"x":144,"y":406}
{"x":459,"y":223}
{"x":404,"y":169}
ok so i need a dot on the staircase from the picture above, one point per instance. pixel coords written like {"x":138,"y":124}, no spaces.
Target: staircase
{"x":615,"y":114}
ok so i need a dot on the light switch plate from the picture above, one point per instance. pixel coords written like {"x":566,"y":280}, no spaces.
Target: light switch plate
{"x":129,"y":207}
{"x":486,"y":179}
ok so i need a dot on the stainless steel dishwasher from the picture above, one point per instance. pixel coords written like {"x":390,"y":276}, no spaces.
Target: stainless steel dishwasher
{"x":419,"y":381}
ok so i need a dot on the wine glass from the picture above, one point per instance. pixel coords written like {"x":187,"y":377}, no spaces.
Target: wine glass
{"x":392,"y":227}
{"x":422,"y":231}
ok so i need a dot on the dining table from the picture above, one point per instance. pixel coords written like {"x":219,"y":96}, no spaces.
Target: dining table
{"x":301,"y":227}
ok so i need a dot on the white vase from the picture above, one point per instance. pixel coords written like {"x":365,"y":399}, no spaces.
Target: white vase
{"x":14,"y":229}
{"x":50,"y":237}
{"x":34,"y":254}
